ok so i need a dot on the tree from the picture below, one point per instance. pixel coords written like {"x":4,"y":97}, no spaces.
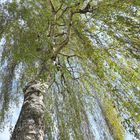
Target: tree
{"x":82,"y":50}
{"x":30,"y":124}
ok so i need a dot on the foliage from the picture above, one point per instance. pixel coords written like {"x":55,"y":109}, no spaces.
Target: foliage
{"x":75,"y":46}
{"x":113,"y":120}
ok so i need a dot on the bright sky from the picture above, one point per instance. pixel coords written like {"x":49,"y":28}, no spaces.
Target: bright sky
{"x":5,"y":135}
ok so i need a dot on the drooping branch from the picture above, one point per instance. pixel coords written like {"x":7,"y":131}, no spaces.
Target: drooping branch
{"x":6,"y":88}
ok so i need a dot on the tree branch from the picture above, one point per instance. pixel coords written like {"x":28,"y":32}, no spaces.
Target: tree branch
{"x":65,"y":42}
{"x":52,"y":7}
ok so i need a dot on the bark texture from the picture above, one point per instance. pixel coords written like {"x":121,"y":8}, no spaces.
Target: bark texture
{"x":31,"y":125}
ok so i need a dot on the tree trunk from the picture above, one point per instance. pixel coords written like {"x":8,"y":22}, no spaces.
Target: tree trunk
{"x":30,"y":124}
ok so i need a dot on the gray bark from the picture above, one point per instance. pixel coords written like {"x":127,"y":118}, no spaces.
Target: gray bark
{"x":31,"y":125}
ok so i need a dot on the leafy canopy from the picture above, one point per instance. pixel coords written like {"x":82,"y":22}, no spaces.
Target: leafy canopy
{"x":84,"y":50}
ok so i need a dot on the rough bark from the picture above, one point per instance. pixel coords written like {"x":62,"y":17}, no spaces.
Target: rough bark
{"x":31,"y":125}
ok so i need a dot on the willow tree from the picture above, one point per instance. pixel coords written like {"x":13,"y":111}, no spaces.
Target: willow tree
{"x":81,"y":50}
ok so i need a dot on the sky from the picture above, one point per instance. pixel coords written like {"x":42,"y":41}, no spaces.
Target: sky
{"x":14,"y":113}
